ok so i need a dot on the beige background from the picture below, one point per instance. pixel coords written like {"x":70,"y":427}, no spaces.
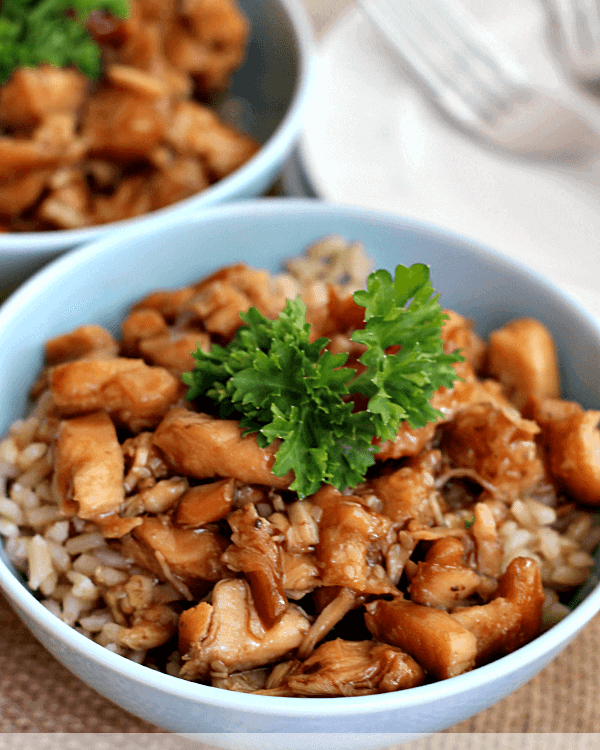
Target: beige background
{"x":38,"y":695}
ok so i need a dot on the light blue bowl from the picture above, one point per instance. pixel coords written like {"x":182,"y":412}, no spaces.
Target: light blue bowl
{"x":268,"y":99}
{"x":99,"y":282}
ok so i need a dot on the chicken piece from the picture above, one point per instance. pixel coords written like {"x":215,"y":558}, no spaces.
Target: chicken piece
{"x":144,"y":464}
{"x":81,"y":342}
{"x":469,"y":391}
{"x":150,"y":628}
{"x":224,"y":149}
{"x":300,"y":574}
{"x":196,"y":129}
{"x":113,"y":31}
{"x":221,"y":28}
{"x":443,"y":579}
{"x":138,"y":326}
{"x":250,"y":681}
{"x":113,"y":526}
{"x":459,"y":333}
{"x":522,"y":356}
{"x":256,"y":551}
{"x":221,"y":297}
{"x":487,"y":542}
{"x":189,"y":554}
{"x":169,"y":303}
{"x":184,"y":52}
{"x":344,"y":316}
{"x":145,"y":623}
{"x":88,"y":473}
{"x":136,"y":81}
{"x":437,"y":641}
{"x":200,"y":446}
{"x":209,"y":42}
{"x":498,"y":445}
{"x":406,"y":492}
{"x":32,"y":94}
{"x":58,"y":134}
{"x":18,"y":156}
{"x":136,"y":594}
{"x":157,"y":499}
{"x":131,"y":198}
{"x":174,"y":350}
{"x":408,"y":442}
{"x":343,"y":602}
{"x":141,"y":44}
{"x":122,"y":124}
{"x":302,"y":534}
{"x":52,"y":143}
{"x":351,"y":537}
{"x":181,"y":177}
{"x":571,"y":442}
{"x":513,"y":618}
{"x":158,"y":11}
{"x":20,"y":193}
{"x":206,"y":503}
{"x":68,"y":206}
{"x":136,"y":395}
{"x":219,"y":309}
{"x":101,"y":174}
{"x":346,"y":668}
{"x":189,"y":119}
{"x":228,"y":635}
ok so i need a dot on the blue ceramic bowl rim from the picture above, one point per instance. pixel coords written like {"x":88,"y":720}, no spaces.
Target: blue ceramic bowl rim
{"x":274,"y":151}
{"x":547,"y":643}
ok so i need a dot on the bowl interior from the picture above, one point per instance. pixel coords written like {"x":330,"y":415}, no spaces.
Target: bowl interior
{"x":99,"y":283}
{"x":263,"y":88}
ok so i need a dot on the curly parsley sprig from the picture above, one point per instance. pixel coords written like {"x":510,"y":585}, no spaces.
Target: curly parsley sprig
{"x":283,"y":386}
{"x":33,"y":32}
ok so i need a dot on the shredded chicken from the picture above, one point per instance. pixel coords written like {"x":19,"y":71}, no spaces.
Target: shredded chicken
{"x":229,"y":636}
{"x":437,"y":563}
{"x":344,"y":668}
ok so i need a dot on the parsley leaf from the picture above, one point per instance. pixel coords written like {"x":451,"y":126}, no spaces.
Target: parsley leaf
{"x":33,"y":32}
{"x":281,"y":385}
{"x":405,"y":311}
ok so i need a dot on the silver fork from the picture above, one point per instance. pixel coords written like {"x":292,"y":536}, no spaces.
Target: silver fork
{"x":482,"y":86}
{"x":575,"y":36}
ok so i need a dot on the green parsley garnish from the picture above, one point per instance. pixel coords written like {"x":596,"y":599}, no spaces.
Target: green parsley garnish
{"x":282,"y":386}
{"x":33,"y":32}
{"x":469,"y":522}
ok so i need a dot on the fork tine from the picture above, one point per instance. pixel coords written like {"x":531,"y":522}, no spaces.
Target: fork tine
{"x":480,"y":44}
{"x":472,"y":64}
{"x":590,"y":19}
{"x":463,"y":69}
{"x":577,"y":23}
{"x":442,"y":89}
